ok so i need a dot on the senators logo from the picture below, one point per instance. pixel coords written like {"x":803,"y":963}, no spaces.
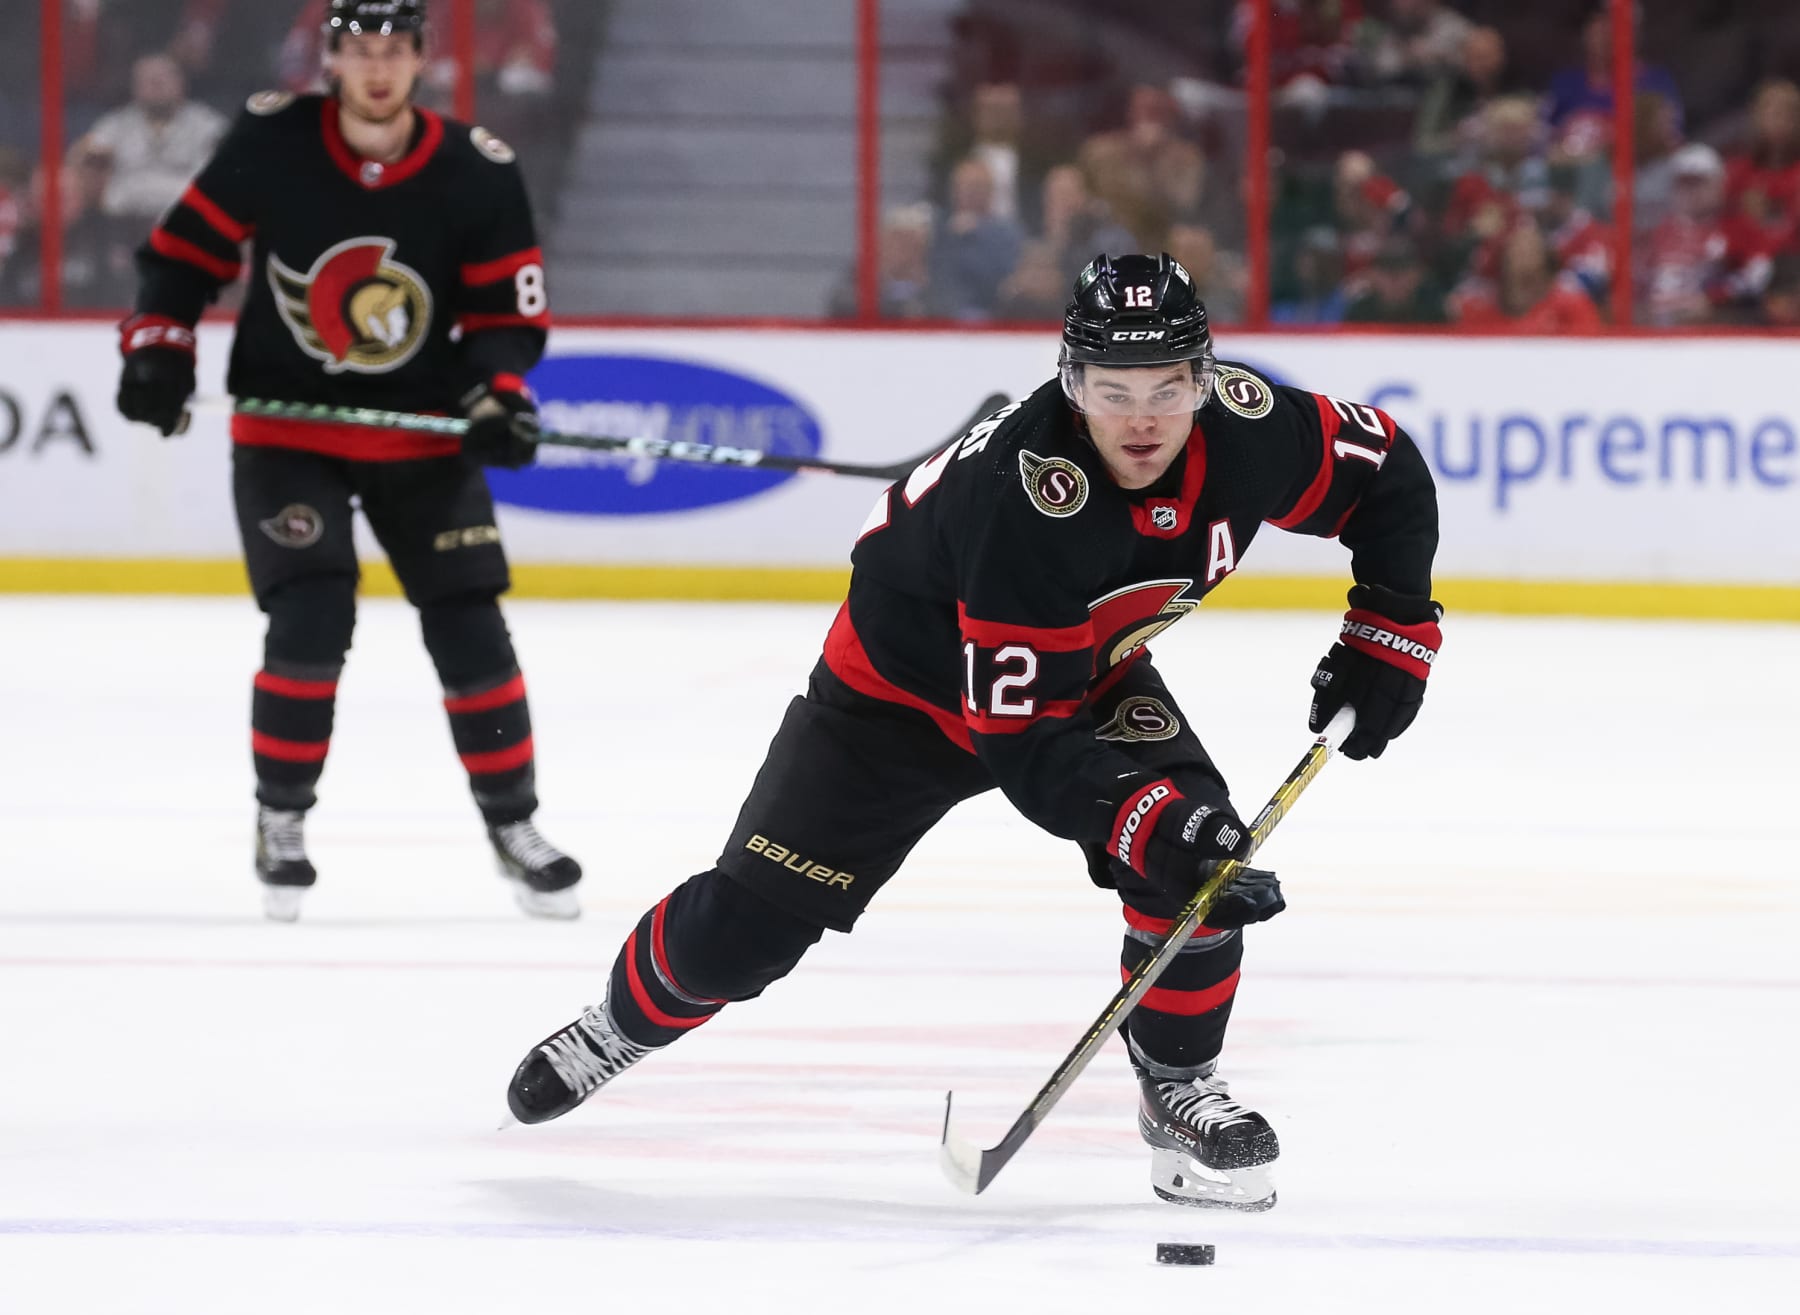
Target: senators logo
{"x":1242,"y":392}
{"x":1140,"y":719}
{"x":1127,"y":619}
{"x":1056,"y":487}
{"x":356,"y":309}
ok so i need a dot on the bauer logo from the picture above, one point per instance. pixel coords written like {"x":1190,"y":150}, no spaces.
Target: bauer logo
{"x":664,"y":401}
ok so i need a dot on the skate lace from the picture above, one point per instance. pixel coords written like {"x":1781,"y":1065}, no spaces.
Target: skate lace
{"x":1204,"y":1102}
{"x":588,"y":1052}
{"x":523,"y":843}
{"x":282,"y":835}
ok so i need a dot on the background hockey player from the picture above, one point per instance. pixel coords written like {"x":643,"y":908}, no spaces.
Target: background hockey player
{"x":394,"y":265}
{"x":995,"y":634}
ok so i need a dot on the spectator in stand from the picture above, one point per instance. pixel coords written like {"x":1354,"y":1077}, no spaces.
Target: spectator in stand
{"x":1762,"y":185}
{"x":1583,"y":246}
{"x":15,"y":185}
{"x":1528,"y":296}
{"x":1700,"y":265}
{"x":1452,"y":108}
{"x":904,"y":254}
{"x":1219,"y":277}
{"x":1658,"y":137}
{"x":1580,"y":110}
{"x":1781,"y":301}
{"x":149,"y":149}
{"x":1311,"y":42}
{"x":1077,"y":224}
{"x":1370,"y":208}
{"x":1147,"y":173}
{"x":1422,"y":41}
{"x":973,"y":251}
{"x":1397,"y":289}
{"x":1037,"y":289}
{"x":1318,"y":275}
{"x":997,"y":116}
{"x":1512,"y":178}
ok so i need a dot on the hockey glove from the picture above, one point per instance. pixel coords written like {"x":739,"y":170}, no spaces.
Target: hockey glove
{"x":1378,"y":666}
{"x":1254,"y":895}
{"x":503,"y":424}
{"x":158,"y":377}
{"x":1170,"y":842}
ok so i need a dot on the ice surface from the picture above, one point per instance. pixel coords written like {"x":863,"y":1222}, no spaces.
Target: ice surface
{"x":1527,"y":1030}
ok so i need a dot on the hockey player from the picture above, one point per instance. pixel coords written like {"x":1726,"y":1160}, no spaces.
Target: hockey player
{"x":994,"y":634}
{"x":394,"y":265}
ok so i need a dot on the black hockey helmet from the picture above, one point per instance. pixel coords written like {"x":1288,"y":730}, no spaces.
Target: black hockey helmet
{"x":1133,"y":311}
{"x":375,"y":18}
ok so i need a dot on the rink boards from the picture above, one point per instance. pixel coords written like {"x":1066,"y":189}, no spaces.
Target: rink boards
{"x":1605,"y":476}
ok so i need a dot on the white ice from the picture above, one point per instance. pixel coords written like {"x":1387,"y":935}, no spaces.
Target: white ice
{"x":1527,"y":1030}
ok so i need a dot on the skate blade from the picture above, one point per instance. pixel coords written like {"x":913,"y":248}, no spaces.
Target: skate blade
{"x":282,"y":903}
{"x":1180,"y":1180}
{"x":559,"y":905}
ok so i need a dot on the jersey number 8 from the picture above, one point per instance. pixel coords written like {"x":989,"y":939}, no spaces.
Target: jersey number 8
{"x":534,"y":298}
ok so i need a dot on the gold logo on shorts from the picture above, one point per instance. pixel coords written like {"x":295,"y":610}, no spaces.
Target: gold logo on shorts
{"x":798,"y":864}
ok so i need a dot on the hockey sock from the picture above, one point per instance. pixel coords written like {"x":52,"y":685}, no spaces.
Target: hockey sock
{"x":491,"y":725}
{"x":1179,"y":1027}
{"x":708,"y":943}
{"x":291,"y":710}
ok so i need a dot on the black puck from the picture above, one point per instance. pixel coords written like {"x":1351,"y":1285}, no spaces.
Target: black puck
{"x":1183,"y":1253}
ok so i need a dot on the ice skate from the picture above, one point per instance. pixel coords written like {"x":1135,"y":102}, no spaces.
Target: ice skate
{"x":544,"y":878}
{"x":1206,"y":1149}
{"x":567,"y":1067}
{"x":281,"y":863}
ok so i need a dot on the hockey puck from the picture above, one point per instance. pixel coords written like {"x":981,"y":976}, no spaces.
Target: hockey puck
{"x":1183,"y":1253}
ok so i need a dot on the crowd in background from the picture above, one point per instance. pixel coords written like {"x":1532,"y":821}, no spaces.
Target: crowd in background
{"x":152,"y":85}
{"x":1471,"y":192}
{"x":1436,"y":161}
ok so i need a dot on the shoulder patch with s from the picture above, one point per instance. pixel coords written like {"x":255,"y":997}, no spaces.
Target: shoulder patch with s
{"x":1242,"y":393}
{"x":492,"y":147}
{"x":1056,"y":487}
{"x":269,"y":102}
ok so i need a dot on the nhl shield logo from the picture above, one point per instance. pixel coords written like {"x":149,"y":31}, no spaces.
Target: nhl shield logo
{"x":357,"y":309}
{"x":1164,"y":517}
{"x":1056,"y":487}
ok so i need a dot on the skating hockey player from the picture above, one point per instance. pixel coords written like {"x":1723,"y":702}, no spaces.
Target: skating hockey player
{"x":394,"y":265}
{"x":994,"y":635}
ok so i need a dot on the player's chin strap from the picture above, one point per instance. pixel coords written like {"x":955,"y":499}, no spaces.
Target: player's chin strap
{"x":658,"y":449}
{"x":970,"y":1168}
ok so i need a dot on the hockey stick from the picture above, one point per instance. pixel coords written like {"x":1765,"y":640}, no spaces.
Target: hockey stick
{"x":970,"y":1168}
{"x":660,"y":449}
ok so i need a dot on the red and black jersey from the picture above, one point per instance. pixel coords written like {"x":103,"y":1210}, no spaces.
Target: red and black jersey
{"x":398,"y":286}
{"x":1008,"y":581}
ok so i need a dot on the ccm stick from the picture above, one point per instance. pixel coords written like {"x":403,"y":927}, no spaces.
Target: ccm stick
{"x":660,"y":449}
{"x":969,"y":1167}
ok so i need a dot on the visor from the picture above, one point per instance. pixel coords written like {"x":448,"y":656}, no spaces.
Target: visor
{"x":1150,"y":390}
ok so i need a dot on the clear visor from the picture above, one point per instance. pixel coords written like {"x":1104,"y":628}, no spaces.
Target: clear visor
{"x":1138,"y":390}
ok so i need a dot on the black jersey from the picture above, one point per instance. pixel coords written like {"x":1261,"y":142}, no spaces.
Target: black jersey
{"x":1008,"y":582}
{"x":397,"y":286}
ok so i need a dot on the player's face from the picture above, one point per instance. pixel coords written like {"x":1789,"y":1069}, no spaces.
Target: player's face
{"x":376,"y":74}
{"x":1139,"y":418}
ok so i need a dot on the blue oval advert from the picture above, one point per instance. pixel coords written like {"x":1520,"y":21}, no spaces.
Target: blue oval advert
{"x":644,"y":396}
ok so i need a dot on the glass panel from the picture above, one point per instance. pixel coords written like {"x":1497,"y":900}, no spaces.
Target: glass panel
{"x":1717,"y":195}
{"x":20,"y":124}
{"x":1020,"y":139}
{"x":1441,"y":163}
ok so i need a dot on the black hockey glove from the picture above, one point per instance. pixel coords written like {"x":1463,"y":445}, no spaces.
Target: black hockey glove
{"x":1378,"y":666}
{"x":503,"y":424}
{"x":1170,"y":842}
{"x":158,"y":377}
{"x":1254,"y":895}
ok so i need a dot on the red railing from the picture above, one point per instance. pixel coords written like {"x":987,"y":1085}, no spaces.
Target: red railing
{"x":1257,"y":192}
